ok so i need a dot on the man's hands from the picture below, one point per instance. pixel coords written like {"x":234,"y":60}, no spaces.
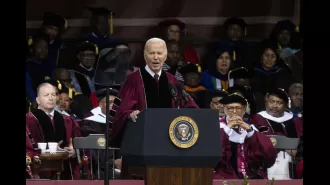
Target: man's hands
{"x":134,"y":115}
{"x":69,"y":149}
{"x":237,"y":121}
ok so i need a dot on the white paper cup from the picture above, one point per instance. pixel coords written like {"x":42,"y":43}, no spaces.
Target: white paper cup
{"x":52,"y":147}
{"x":42,"y":147}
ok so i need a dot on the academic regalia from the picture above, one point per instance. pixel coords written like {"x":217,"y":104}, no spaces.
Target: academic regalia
{"x":42,"y":130}
{"x":283,"y":25}
{"x":82,"y":83}
{"x":139,"y":92}
{"x":197,"y":93}
{"x":102,"y":40}
{"x":287,"y":125}
{"x":36,"y":72}
{"x":244,"y":152}
{"x":31,"y":94}
{"x":86,"y":46}
{"x":54,"y":19}
{"x":212,"y":78}
{"x":190,"y":54}
{"x":31,"y":151}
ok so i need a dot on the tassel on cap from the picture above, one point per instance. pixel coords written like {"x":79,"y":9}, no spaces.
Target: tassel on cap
{"x":59,"y":86}
{"x":234,"y":55}
{"x":96,"y":49}
{"x":199,"y":68}
{"x":111,"y":23}
{"x":65,"y":24}
{"x":297,"y":28}
{"x":30,"y":41}
{"x":245,"y":32}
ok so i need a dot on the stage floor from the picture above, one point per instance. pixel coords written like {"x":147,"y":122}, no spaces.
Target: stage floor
{"x":141,"y":182}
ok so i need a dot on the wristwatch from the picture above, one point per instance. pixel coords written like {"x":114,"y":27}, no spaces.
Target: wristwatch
{"x":250,"y":129}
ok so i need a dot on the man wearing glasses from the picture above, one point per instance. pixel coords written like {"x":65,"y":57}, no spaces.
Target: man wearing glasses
{"x":245,"y":151}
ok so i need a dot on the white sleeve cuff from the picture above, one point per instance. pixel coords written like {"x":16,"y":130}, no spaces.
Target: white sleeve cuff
{"x":228,"y":130}
{"x":250,"y":134}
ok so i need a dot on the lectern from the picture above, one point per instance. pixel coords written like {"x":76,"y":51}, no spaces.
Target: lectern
{"x":175,"y":146}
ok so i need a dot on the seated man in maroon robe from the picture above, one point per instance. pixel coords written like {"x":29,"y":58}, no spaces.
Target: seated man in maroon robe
{"x":146,"y":88}
{"x":47,"y":125}
{"x":276,"y":121}
{"x":245,"y":151}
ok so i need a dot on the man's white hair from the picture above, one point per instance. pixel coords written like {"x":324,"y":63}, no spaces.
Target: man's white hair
{"x":154,"y":40}
{"x":294,"y":86}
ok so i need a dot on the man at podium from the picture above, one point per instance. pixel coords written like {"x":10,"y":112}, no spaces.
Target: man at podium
{"x":149,"y":87}
{"x":245,"y":151}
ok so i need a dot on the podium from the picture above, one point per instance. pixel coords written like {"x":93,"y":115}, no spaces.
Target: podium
{"x":174,"y":146}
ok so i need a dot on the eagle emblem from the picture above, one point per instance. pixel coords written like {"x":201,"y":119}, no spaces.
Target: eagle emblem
{"x":183,"y":132}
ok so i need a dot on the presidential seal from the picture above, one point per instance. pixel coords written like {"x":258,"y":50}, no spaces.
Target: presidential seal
{"x":273,"y":140}
{"x":183,"y":132}
{"x":101,"y":141}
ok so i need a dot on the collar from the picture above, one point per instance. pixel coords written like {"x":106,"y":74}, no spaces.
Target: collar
{"x":96,"y":110}
{"x":51,"y":113}
{"x":151,"y":72}
{"x":90,"y":69}
{"x":286,"y":116}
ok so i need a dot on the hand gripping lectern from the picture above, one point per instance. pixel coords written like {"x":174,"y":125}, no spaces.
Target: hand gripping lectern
{"x":174,"y":146}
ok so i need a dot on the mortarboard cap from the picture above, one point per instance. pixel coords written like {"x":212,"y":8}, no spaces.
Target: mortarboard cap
{"x":237,"y":89}
{"x":102,"y":93}
{"x":235,"y":20}
{"x":280,"y":93}
{"x":234,"y":98}
{"x":70,"y":92}
{"x":190,"y":68}
{"x":285,"y":25}
{"x":100,"y":11}
{"x":217,"y":93}
{"x":224,"y":47}
{"x":168,"y":22}
{"x":87,"y":46}
{"x":54,"y":19}
{"x":55,"y":83}
{"x":241,"y":72}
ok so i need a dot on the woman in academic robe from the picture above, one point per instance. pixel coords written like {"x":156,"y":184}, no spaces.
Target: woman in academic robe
{"x":271,"y":73}
{"x":217,"y":76}
{"x":47,"y":125}
{"x":245,"y":151}
{"x":174,"y":30}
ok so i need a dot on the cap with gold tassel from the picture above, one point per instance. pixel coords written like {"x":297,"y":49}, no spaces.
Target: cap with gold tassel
{"x":87,"y":46}
{"x":30,"y":41}
{"x":101,"y":11}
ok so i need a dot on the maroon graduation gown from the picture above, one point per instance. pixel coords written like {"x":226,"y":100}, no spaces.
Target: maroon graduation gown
{"x":132,"y":94}
{"x":42,"y":130}
{"x":264,"y":126}
{"x":258,"y":151}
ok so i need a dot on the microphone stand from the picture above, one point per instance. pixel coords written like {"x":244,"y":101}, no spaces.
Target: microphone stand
{"x":106,"y":171}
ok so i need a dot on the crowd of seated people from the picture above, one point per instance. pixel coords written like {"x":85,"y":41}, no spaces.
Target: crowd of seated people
{"x":259,"y":85}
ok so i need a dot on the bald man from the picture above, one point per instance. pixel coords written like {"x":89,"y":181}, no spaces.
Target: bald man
{"x":47,"y":125}
{"x":151,"y":81}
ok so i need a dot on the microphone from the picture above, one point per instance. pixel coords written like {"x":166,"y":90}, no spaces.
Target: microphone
{"x":174,"y":94}
{"x":184,"y":93}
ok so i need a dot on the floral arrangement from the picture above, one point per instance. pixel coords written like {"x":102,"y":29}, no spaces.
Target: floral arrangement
{"x":245,"y":182}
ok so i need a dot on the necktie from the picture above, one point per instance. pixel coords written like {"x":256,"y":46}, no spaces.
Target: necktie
{"x":51,"y":119}
{"x":156,"y":77}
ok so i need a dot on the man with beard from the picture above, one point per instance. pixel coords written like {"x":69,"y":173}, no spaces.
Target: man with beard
{"x":276,"y":121}
{"x":192,"y":78}
{"x":83,"y":73}
{"x":214,"y":98}
{"x":246,"y":152}
{"x":296,"y":97}
{"x":101,"y":25}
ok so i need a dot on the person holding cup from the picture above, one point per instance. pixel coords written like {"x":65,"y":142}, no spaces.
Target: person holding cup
{"x":49,"y":126}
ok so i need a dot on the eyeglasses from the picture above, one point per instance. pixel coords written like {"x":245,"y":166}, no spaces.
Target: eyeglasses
{"x":231,"y":109}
